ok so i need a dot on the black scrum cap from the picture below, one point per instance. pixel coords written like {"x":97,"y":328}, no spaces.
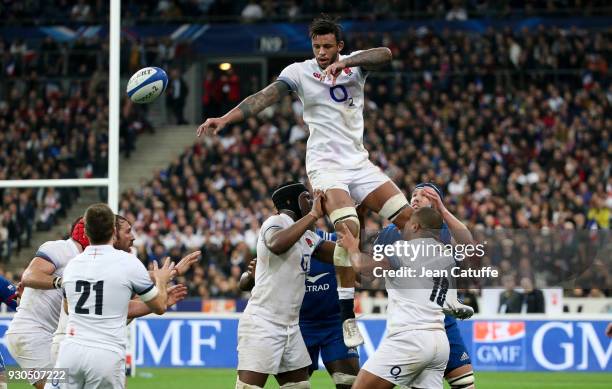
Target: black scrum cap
{"x":286,"y":197}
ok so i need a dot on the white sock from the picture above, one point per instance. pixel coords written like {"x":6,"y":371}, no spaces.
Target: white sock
{"x":346,"y":293}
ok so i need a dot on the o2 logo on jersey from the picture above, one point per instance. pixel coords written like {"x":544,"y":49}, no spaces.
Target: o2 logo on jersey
{"x":339,"y":94}
{"x":305,"y":263}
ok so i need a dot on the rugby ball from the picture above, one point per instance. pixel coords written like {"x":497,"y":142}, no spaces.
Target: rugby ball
{"x":146,"y":85}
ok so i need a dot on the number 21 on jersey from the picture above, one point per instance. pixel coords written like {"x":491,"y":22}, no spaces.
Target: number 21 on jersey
{"x":84,"y":287}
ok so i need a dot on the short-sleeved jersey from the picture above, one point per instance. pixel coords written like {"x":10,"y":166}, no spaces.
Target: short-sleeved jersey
{"x":415,"y":302}
{"x":280,"y":279}
{"x":98,"y":285}
{"x":39,"y":309}
{"x":321,"y":298}
{"x":392,"y":234}
{"x":333,"y":113}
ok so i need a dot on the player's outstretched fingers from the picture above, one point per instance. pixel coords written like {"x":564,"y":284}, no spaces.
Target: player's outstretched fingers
{"x":187,"y":261}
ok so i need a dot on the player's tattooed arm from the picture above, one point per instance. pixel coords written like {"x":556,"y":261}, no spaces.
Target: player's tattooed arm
{"x":369,"y":59}
{"x":257,"y":102}
{"x":250,"y":106}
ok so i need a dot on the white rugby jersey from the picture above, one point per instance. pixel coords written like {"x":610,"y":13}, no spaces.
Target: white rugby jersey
{"x":39,"y":310}
{"x":334,"y":114}
{"x":98,"y":285}
{"x":415,"y":302}
{"x":280,"y":279}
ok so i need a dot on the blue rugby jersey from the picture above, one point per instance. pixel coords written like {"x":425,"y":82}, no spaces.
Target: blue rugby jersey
{"x":321,"y":297}
{"x":8,"y":293}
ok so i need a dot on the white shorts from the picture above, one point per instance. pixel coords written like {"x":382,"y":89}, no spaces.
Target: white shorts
{"x":359,"y":182}
{"x":55,"y":345}
{"x":31,"y":350}
{"x":89,"y":368}
{"x":270,"y":348}
{"x":411,"y":358}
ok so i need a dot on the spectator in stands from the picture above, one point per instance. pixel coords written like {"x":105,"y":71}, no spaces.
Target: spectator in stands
{"x":176,"y":96}
{"x":252,"y":12}
{"x":510,"y":301}
{"x":533,"y":299}
{"x":81,"y":11}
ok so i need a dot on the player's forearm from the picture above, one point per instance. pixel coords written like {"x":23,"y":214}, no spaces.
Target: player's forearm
{"x":37,"y":280}
{"x":325,"y":252}
{"x":137,"y":308}
{"x":371,"y":58}
{"x":364,"y":265}
{"x":282,"y":240}
{"x":257,"y":102}
{"x":459,"y":231}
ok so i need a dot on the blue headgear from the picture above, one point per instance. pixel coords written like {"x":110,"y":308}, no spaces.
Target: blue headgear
{"x":431,"y":185}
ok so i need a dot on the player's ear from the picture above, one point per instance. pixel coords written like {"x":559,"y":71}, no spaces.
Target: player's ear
{"x":340,"y":46}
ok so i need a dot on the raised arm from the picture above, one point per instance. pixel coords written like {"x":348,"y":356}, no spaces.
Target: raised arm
{"x":459,"y":231}
{"x":280,"y":240}
{"x":367,"y":59}
{"x":39,"y":275}
{"x":138,"y":308}
{"x":250,"y":106}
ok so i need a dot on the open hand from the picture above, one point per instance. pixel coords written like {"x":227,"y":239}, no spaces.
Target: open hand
{"x":186,"y":262}
{"x":211,"y":126}
{"x":434,"y":198}
{"x":346,"y":239}
{"x":164,"y":273}
{"x":318,"y":205}
{"x":176,"y":293}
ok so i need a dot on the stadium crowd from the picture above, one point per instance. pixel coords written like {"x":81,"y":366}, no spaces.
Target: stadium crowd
{"x":49,"y":129}
{"x":37,"y":12}
{"x":513,"y":126}
{"x":533,"y":155}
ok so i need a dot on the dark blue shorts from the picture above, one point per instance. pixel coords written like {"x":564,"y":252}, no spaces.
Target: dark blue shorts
{"x":325,"y":337}
{"x":458,"y":353}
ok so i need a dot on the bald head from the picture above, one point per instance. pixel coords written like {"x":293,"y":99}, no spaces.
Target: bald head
{"x":427,"y":218}
{"x":424,"y":222}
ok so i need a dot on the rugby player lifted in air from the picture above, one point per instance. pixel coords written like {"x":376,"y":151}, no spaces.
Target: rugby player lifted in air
{"x":331,"y":88}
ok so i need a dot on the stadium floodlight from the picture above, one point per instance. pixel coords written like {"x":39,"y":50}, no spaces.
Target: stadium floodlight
{"x":112,"y":182}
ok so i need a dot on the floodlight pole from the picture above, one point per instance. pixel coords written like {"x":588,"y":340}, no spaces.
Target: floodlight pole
{"x":113,"y":104}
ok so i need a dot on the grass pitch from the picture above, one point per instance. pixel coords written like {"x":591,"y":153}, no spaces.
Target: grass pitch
{"x":225,"y":379}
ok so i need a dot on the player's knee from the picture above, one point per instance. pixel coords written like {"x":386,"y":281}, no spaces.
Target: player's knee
{"x":393,"y":207}
{"x":343,"y":379}
{"x":346,"y":215}
{"x":296,"y":385}
{"x":242,"y":385}
{"x":464,"y":381}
